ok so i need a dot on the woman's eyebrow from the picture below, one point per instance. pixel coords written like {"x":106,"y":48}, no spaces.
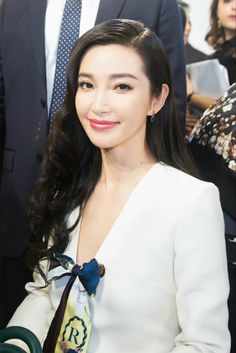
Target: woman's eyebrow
{"x":122,"y":75}
{"x":113,"y":76}
{"x":84,"y":74}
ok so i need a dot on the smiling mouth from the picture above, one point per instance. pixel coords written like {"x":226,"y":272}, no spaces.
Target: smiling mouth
{"x":102,"y":124}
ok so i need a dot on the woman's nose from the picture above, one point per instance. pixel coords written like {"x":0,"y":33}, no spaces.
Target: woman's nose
{"x":100,"y":103}
{"x":233,"y":4}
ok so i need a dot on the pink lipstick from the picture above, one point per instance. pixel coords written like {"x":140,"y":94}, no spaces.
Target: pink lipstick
{"x":102,"y":124}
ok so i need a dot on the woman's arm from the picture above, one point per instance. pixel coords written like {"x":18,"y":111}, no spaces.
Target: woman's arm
{"x":196,"y":99}
{"x":35,"y":312}
{"x":201,"y":277}
{"x":199,"y":101}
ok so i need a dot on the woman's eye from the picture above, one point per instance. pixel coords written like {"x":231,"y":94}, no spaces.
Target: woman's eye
{"x":85,"y":85}
{"x":123,"y":87}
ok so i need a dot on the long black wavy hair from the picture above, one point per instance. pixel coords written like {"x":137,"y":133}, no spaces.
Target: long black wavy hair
{"x":72,"y":164}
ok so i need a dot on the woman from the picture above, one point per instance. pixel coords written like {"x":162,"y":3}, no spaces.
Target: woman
{"x":222,"y":34}
{"x":115,"y":197}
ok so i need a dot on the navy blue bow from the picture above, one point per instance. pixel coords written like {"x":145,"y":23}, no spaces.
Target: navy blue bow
{"x":89,"y":273}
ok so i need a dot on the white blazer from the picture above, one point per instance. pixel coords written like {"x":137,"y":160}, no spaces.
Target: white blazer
{"x":166,"y":286}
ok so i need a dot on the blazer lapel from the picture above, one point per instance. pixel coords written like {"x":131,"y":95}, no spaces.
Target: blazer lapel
{"x":37,"y":9}
{"x":109,"y":9}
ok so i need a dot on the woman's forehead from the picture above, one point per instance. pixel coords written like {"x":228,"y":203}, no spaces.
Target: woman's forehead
{"x":112,"y":55}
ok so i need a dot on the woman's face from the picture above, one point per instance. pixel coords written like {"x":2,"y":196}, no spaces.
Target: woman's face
{"x":226,"y":12}
{"x":113,"y":97}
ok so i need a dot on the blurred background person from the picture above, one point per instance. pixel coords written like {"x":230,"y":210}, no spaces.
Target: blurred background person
{"x":213,"y":145}
{"x":191,"y":54}
{"x":222,"y":37}
{"x":222,"y":34}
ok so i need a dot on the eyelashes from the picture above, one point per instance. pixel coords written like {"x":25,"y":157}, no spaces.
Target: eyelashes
{"x":121,"y":87}
{"x":85,"y":85}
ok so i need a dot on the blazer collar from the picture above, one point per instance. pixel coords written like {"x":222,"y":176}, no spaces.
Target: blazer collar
{"x":109,"y":9}
{"x":37,"y":10}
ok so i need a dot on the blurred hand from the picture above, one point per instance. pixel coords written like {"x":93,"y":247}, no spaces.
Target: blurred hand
{"x":190,"y":121}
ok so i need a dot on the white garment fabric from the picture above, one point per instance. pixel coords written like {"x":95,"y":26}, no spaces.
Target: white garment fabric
{"x":165,"y":287}
{"x":53,"y":20}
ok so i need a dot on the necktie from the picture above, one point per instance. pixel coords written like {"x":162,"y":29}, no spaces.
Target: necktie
{"x":69,"y":33}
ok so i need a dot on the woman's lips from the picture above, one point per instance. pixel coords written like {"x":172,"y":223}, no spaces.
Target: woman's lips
{"x":102,"y":124}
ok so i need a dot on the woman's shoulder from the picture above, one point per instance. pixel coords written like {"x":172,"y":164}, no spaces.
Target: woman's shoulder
{"x":177,"y":193}
{"x":182,"y":194}
{"x":181,"y":185}
{"x":225,"y":50}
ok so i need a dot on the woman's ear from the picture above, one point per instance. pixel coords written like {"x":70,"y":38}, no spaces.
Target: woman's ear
{"x":158,"y":101}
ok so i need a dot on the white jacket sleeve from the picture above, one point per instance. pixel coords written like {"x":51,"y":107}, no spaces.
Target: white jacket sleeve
{"x":35,"y":312}
{"x":201,"y":277}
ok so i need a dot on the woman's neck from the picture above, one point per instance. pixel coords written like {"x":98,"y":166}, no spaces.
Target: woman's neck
{"x":119,"y":168}
{"x":229,"y":34}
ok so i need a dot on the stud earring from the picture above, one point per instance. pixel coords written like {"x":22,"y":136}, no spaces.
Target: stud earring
{"x":153,"y":117}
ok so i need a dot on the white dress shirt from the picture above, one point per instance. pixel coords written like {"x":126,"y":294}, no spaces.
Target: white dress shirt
{"x":53,"y":19}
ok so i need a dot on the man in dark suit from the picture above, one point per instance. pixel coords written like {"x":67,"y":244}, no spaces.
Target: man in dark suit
{"x":24,"y":111}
